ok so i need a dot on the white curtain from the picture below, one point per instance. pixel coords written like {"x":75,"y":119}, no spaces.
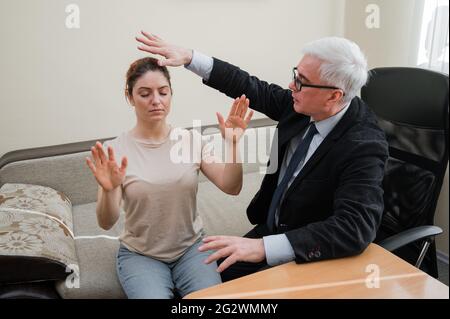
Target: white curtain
{"x":433,"y":47}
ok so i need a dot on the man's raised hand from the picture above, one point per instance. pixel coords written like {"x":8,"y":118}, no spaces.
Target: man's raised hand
{"x":173,"y":55}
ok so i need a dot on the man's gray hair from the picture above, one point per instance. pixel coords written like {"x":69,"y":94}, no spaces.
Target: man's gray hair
{"x":344,"y":64}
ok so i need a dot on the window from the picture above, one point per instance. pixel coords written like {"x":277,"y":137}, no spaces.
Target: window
{"x":433,"y":46}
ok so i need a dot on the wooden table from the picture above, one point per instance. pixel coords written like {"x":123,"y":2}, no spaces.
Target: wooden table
{"x":351,"y":277}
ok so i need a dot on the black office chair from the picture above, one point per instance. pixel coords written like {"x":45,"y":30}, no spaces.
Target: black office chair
{"x":412,"y":106}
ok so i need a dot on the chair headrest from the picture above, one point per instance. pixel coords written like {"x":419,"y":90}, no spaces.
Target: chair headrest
{"x":411,"y":96}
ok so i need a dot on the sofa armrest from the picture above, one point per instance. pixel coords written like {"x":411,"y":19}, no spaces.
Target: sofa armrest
{"x":34,"y":290}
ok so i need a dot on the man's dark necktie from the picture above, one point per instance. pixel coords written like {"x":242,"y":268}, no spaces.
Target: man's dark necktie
{"x":299,"y":155}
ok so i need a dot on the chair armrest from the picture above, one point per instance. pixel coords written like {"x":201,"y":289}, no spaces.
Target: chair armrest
{"x":408,"y":236}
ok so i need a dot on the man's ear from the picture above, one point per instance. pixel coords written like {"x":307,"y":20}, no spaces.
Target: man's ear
{"x":336,"y":96}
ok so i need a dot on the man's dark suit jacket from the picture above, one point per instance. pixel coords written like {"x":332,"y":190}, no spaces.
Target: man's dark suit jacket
{"x":334,"y":206}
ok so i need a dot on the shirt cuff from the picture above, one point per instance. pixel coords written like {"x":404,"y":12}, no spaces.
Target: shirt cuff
{"x":201,"y":65}
{"x":278,"y":249}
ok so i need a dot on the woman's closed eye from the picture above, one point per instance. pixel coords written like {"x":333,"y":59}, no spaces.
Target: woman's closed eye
{"x":146,"y":94}
{"x":165,"y":91}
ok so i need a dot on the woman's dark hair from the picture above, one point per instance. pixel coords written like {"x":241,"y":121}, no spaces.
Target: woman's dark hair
{"x":138,"y":68}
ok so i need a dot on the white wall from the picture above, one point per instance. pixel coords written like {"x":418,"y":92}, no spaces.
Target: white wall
{"x":60,"y":85}
{"x":395,"y":42}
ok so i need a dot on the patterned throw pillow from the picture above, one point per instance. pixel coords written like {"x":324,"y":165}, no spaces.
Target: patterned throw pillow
{"x":36,"y":234}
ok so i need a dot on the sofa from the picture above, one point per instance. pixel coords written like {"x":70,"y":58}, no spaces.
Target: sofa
{"x":92,"y":274}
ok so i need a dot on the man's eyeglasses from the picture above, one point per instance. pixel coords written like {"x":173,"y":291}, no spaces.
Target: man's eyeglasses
{"x":299,"y":85}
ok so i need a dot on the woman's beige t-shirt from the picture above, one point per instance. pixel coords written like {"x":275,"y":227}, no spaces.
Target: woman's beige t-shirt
{"x":159,"y":192}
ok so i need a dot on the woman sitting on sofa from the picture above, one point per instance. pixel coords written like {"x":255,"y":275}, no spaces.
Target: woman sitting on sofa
{"x":159,"y":245}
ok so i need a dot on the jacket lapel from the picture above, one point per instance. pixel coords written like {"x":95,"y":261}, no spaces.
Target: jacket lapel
{"x":286,"y":129}
{"x":344,"y":124}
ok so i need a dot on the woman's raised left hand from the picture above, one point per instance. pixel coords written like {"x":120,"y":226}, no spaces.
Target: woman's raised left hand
{"x":237,"y":122}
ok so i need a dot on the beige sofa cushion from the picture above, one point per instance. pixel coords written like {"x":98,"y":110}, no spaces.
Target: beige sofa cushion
{"x":96,"y":250}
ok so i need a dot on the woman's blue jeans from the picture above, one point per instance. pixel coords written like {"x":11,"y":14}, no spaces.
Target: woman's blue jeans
{"x":144,"y":277}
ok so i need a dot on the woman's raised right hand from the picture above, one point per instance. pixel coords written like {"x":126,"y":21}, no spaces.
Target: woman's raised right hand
{"x":105,"y":169}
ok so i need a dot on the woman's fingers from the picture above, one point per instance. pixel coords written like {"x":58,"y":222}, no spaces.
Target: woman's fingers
{"x":101,"y":153}
{"x":233,"y":107}
{"x":111,"y":154}
{"x":124,"y":164}
{"x":241,"y":106}
{"x":249,"y":117}
{"x":238,"y":111}
{"x":91,"y":165}
{"x":220,"y":119}
{"x":244,"y":108}
{"x":95,"y":155}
